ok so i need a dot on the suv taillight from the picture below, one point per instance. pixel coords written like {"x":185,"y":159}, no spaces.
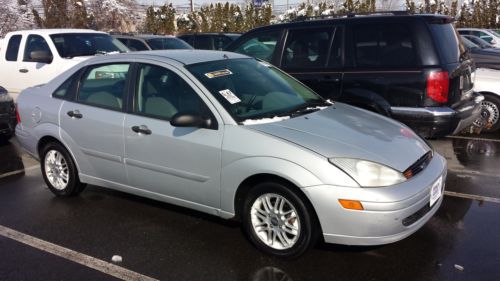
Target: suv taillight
{"x":438,"y":86}
{"x":17,"y":116}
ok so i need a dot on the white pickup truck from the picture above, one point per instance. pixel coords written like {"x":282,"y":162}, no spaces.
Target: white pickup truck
{"x":33,"y":57}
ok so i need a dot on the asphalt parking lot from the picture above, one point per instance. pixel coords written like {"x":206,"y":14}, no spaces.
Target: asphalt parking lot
{"x":43,"y":237}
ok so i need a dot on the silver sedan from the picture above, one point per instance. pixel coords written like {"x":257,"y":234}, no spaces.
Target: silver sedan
{"x":231,"y":136}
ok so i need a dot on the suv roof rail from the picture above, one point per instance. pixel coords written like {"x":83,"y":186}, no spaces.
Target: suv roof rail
{"x":351,"y":15}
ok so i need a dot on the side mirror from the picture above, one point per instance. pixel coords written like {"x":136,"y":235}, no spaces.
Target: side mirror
{"x":184,"y":119}
{"x":41,"y":56}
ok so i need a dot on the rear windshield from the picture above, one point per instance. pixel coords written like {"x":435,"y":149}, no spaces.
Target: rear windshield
{"x":450,"y":47}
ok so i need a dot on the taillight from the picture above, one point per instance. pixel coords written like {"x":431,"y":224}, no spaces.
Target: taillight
{"x":17,"y":116}
{"x":438,"y":86}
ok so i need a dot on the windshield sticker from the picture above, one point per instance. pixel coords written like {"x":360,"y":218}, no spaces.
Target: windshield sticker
{"x":230,"y":97}
{"x":218,"y":73}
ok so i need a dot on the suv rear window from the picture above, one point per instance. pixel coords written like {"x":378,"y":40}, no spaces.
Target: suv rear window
{"x":447,"y":40}
{"x":13,"y":48}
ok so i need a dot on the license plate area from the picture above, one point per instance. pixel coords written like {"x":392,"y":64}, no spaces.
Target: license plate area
{"x":436,"y":191}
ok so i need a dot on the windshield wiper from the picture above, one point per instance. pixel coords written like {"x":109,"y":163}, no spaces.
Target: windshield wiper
{"x":305,"y":108}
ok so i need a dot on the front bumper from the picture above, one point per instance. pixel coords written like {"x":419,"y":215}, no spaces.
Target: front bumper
{"x":432,"y":122}
{"x":391,"y":213}
{"x":7,"y":118}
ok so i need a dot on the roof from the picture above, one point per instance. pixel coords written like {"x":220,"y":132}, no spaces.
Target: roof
{"x":374,"y":17}
{"x":49,"y":31}
{"x":183,"y":56}
{"x":142,"y":36}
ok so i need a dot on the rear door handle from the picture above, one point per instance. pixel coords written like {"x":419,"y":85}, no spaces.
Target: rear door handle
{"x":142,"y":129}
{"x":23,"y":70}
{"x":75,"y":114}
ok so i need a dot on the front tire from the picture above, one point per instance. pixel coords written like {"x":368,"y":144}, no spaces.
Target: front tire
{"x":277,"y":220}
{"x":59,"y":171}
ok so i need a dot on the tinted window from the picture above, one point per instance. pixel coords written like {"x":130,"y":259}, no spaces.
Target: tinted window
{"x":336,"y":51}
{"x":220,"y":42}
{"x":451,"y":49}
{"x":136,"y":45}
{"x":260,"y":45}
{"x":386,"y":45}
{"x":70,"y":45}
{"x":161,"y":93}
{"x":104,"y":85}
{"x":35,"y":43}
{"x":307,"y":48}
{"x":188,"y":39}
{"x":203,"y":42}
{"x":167,"y":43}
{"x":13,"y":48}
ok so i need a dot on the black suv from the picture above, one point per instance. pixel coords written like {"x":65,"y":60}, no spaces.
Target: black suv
{"x":209,"y":41}
{"x":409,"y":67}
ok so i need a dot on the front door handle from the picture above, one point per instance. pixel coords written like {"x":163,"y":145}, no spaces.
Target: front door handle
{"x":75,"y":114}
{"x":142,"y":129}
{"x":23,"y":70}
{"x":329,"y":78}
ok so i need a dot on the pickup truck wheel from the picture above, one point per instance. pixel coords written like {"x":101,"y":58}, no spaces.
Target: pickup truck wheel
{"x":277,"y":221}
{"x":492,"y":105}
{"x":59,"y":171}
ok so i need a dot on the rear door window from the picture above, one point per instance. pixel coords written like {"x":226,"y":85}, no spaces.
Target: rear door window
{"x":384,"y":45}
{"x":104,"y":85}
{"x":307,"y":48}
{"x":13,"y":48}
{"x":260,"y":45}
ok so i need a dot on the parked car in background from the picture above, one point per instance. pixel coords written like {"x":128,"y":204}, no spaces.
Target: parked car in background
{"x":7,"y":116}
{"x":483,"y":58}
{"x":209,"y":41}
{"x":229,"y":135}
{"x":487,"y":35}
{"x":409,"y":67}
{"x":488,"y":84}
{"x":478,"y":41}
{"x":151,"y":42}
{"x":33,"y":57}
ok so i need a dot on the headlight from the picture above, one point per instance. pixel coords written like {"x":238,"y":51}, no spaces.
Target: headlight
{"x":368,"y":174}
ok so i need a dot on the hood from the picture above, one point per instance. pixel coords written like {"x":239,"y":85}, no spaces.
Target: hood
{"x":345,"y":131}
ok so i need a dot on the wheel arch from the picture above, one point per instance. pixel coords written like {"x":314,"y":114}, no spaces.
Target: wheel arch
{"x":250,"y":182}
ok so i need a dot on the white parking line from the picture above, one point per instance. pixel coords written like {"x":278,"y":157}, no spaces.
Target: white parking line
{"x":472,"y":138}
{"x":472,"y":196}
{"x":473,"y":173}
{"x":88,"y":261}
{"x":20,"y":171}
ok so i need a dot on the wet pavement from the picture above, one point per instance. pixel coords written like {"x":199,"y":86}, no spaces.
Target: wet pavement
{"x":161,"y":241}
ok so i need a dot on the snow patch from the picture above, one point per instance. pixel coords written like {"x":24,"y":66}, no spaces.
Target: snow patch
{"x":264,"y":120}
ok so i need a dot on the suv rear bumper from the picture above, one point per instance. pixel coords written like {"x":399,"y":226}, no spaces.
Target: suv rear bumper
{"x":433,"y":122}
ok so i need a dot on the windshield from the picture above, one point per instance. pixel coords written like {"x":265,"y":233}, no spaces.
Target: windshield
{"x":249,"y":89}
{"x":70,"y":45}
{"x":167,"y":43}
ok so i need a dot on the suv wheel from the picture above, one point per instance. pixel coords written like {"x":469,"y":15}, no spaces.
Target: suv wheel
{"x":277,"y":221}
{"x":59,"y":171}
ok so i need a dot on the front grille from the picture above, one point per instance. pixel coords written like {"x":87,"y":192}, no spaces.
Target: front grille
{"x":418,"y":166}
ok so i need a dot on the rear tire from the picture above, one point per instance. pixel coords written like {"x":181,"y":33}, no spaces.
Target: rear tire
{"x":59,"y":171}
{"x":491,"y":104}
{"x":277,"y":220}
